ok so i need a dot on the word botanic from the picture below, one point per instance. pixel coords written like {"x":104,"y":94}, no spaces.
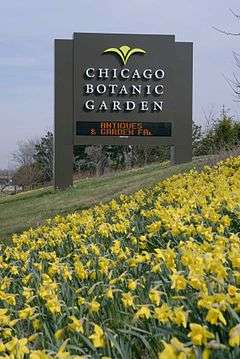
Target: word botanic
{"x":101,"y":82}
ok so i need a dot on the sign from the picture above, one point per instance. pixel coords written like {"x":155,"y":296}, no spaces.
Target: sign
{"x":121,"y":89}
{"x":124,"y":129}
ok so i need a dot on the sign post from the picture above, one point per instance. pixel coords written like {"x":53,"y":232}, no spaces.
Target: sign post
{"x":121,"y":89}
{"x":63,"y":122}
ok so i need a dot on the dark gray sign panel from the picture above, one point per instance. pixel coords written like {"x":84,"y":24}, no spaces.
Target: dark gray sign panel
{"x":123,"y":89}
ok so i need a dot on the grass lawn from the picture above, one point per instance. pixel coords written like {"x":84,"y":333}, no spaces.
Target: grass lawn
{"x":30,"y":209}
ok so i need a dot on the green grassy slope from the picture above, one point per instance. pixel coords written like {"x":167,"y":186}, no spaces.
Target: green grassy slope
{"x":29,"y":209}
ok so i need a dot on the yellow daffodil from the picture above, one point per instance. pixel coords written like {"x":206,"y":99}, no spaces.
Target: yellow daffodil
{"x":94,"y":306}
{"x":163,"y":313}
{"x":128,"y":299}
{"x":2,"y":346}
{"x":215,"y":316}
{"x":97,"y":337}
{"x":59,"y":334}
{"x":154,"y":296}
{"x":76,"y":324}
{"x":178,"y":282}
{"x":143,"y":312}
{"x":153,"y":260}
{"x":17,"y":347}
{"x":199,"y":334}
{"x":234,"y":336}
{"x":180,"y":316}
{"x":26,"y":312}
{"x":39,"y":354}
{"x":132,"y":284}
{"x":109,"y":293}
{"x":175,"y":350}
{"x":232,"y":290}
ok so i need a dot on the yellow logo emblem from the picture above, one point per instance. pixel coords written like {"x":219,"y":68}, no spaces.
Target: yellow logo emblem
{"x":124,"y":52}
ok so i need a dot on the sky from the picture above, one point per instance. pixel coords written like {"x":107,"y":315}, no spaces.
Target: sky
{"x":28,"y":29}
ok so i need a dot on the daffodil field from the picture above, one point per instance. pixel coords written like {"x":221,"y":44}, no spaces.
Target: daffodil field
{"x":152,"y":275}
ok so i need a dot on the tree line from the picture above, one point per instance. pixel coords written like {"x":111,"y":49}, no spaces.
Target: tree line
{"x":34,"y":158}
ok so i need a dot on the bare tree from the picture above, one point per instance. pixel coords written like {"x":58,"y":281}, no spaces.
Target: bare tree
{"x":229,"y":33}
{"x":28,"y":173}
{"x":128,"y":153}
{"x":142,"y":154}
{"x":28,"y":176}
{"x":24,"y":154}
{"x":98,"y":156}
{"x":235,"y":82}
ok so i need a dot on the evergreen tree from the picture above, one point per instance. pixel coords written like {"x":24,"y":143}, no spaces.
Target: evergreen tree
{"x":223,"y":134}
{"x":44,"y":156}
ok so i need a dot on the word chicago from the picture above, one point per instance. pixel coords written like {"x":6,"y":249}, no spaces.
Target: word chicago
{"x":106,"y":95}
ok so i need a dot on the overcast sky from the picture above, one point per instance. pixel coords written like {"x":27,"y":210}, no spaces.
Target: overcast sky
{"x":28,"y":29}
